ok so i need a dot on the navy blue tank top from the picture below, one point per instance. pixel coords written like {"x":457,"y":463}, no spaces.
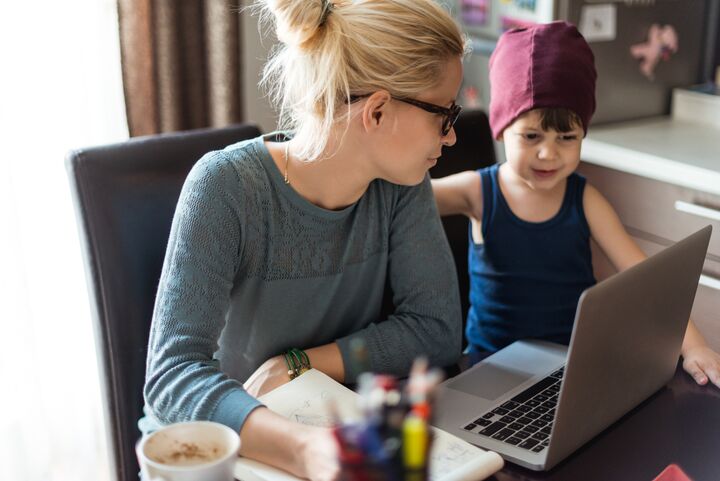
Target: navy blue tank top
{"x":526,"y":277}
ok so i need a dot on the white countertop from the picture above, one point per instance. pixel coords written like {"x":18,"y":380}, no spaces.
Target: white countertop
{"x":660,"y":148}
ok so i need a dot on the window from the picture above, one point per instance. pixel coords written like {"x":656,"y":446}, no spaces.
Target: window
{"x":60,"y":89}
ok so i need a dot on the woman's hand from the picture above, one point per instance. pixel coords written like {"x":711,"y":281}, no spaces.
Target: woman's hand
{"x":271,"y":374}
{"x":702,"y":363}
{"x":319,"y":454}
{"x":306,"y":451}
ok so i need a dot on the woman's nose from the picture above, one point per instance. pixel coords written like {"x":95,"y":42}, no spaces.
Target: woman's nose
{"x":450,"y":138}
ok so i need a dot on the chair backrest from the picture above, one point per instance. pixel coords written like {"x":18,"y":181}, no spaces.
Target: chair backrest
{"x":125,"y":196}
{"x":473,"y":150}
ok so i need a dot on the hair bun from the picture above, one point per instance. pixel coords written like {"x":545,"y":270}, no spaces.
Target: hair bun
{"x":298,"y":21}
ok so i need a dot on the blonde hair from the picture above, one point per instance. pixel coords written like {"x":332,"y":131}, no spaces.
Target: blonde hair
{"x":331,"y":50}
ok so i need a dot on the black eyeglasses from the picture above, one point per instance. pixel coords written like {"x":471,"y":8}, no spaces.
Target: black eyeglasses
{"x":450,"y":115}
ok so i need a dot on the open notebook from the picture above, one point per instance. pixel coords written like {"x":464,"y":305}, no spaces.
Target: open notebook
{"x":304,"y":400}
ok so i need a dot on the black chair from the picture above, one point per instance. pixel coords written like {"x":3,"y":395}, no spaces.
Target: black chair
{"x":473,"y":150}
{"x":125,"y":196}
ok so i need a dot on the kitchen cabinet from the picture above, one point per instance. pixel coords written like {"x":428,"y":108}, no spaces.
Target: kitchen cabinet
{"x":656,"y":214}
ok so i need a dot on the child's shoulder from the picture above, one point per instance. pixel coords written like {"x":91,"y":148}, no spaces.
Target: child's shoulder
{"x":487,"y":170}
{"x":590,"y":193}
{"x":595,"y":206}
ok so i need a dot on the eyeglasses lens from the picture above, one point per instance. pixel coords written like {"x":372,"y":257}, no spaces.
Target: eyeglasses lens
{"x":450,"y":119}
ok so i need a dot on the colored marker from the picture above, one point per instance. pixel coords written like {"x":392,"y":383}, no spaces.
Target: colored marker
{"x":415,"y":441}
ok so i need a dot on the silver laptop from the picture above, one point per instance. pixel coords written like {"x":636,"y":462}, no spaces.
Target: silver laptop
{"x":536,"y":402}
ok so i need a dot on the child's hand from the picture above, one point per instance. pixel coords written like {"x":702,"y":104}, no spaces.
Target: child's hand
{"x":702,"y":363}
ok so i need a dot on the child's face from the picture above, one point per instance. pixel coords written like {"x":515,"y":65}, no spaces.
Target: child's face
{"x":542,"y":159}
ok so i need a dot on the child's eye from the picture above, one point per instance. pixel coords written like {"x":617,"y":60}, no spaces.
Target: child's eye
{"x":569,"y":137}
{"x":530,"y":136}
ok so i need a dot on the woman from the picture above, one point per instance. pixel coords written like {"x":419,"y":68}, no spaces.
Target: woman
{"x":281,"y":246}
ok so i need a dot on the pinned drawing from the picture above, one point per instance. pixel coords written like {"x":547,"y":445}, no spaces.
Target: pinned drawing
{"x":475,"y":12}
{"x":661,"y":44}
{"x":526,"y":4}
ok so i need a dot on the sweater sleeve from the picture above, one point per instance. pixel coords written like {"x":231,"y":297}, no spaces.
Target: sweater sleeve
{"x":183,"y":381}
{"x":427,"y":318}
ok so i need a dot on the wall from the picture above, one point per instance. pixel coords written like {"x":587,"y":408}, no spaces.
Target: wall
{"x":254,"y":52}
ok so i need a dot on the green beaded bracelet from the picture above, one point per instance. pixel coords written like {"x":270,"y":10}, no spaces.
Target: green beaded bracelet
{"x":297,"y":362}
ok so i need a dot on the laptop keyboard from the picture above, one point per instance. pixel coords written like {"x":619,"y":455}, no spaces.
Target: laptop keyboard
{"x":524,"y":421}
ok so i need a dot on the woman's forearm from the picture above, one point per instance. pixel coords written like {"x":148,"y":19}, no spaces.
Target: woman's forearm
{"x":327,"y":358}
{"x":259,"y":440}
{"x":305,"y":451}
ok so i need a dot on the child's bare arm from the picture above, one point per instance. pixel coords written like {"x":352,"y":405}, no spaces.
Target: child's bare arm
{"x":608,"y":231}
{"x":699,"y":360}
{"x":459,"y":194}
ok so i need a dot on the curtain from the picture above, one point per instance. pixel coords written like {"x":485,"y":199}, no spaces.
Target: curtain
{"x":180,"y":64}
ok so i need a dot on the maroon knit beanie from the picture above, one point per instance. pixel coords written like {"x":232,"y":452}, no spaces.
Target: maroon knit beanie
{"x":548,"y":65}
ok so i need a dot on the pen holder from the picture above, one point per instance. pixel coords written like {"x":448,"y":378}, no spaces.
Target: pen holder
{"x":375,"y":471}
{"x":392,"y":439}
{"x":358,"y":466}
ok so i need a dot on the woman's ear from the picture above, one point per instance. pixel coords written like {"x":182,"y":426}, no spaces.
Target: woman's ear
{"x":375,"y":110}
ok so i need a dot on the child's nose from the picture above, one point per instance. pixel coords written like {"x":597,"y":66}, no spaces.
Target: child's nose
{"x":547,"y":151}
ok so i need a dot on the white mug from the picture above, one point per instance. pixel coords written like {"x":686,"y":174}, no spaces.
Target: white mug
{"x":190,"y":451}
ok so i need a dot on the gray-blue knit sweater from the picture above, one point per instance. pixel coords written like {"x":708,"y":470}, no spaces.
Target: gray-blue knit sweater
{"x":253,"y":269}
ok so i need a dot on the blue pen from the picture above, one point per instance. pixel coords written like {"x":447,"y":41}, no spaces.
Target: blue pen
{"x":372,"y":442}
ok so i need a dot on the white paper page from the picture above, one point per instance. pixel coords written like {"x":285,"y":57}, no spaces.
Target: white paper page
{"x":251,"y":470}
{"x":304,"y":400}
{"x":453,"y":459}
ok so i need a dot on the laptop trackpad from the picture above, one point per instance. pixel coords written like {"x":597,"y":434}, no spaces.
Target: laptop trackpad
{"x":489,"y":381}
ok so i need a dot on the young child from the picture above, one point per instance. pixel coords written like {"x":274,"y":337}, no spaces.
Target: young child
{"x":532,"y":217}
